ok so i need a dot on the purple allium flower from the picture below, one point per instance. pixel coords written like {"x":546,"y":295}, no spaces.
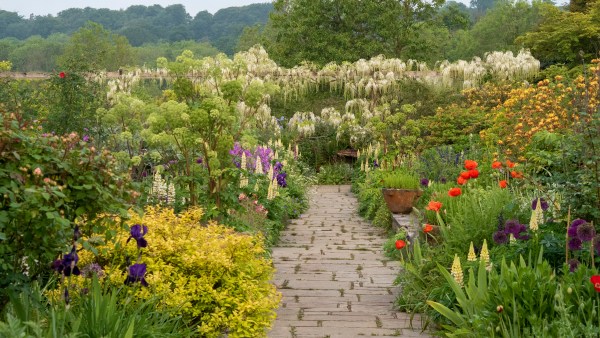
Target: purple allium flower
{"x":137,"y":232}
{"x":586,"y":232}
{"x":572,"y":232}
{"x":578,"y":222}
{"x":575,"y":244}
{"x":199,"y":160}
{"x":573,"y":264}
{"x":443,"y":180}
{"x":424,"y":182}
{"x":500,"y":237}
{"x":86,"y":138}
{"x":136,"y":274}
{"x":543,"y":203}
{"x":512,"y":226}
{"x":92,"y":269}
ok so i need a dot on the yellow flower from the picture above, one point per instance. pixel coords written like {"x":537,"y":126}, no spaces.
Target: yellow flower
{"x":471,"y":257}
{"x":485,"y":254}
{"x":456,"y":270}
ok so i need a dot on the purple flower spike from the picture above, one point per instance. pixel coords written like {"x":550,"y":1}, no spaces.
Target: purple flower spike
{"x":137,"y":233}
{"x":136,"y":274}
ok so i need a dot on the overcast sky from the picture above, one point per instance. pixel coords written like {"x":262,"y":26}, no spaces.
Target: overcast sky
{"x":44,"y":7}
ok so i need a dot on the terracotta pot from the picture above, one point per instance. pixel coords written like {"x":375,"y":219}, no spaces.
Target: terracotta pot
{"x":400,"y":201}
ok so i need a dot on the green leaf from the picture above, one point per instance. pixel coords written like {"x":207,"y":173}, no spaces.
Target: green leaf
{"x":446,"y":312}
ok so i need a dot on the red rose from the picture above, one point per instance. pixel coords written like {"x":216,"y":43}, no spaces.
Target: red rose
{"x":62,"y":75}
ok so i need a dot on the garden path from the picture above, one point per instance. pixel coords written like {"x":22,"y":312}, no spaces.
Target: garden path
{"x":333,"y":275}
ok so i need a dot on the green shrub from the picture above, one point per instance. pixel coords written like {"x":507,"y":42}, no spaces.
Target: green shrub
{"x":339,"y":173}
{"x":47,"y":183}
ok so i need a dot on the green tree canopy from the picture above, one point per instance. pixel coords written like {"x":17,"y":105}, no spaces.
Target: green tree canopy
{"x":344,"y":30}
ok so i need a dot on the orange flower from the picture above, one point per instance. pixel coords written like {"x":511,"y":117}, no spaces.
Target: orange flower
{"x":474,"y":173}
{"x":454,"y":192}
{"x":427,"y":228}
{"x":510,"y":164}
{"x":503,"y":184}
{"x":400,"y":244}
{"x":516,"y":174}
{"x":470,"y":164}
{"x":461,"y":180}
{"x":434,"y":206}
{"x":496,"y":165}
{"x":465,"y":174}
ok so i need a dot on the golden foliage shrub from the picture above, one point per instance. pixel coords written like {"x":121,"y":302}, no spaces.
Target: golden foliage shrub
{"x":215,"y":278}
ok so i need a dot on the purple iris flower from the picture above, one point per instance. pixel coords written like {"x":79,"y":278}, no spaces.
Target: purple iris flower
{"x":68,"y":264}
{"x":137,"y":232}
{"x":136,"y":274}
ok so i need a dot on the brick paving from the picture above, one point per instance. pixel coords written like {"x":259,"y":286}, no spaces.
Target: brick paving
{"x":333,"y":276}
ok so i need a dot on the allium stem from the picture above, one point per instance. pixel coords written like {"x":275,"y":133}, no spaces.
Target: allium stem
{"x":567,"y":236}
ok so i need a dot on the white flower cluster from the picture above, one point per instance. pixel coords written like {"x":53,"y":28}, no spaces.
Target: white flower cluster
{"x":331,"y":116}
{"x":304,"y":123}
{"x":161,"y":191}
{"x":123,"y":84}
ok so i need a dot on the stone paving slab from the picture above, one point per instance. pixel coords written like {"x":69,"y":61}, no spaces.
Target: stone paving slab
{"x":333,"y":276}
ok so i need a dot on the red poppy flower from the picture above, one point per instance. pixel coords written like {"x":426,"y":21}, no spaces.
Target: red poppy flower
{"x":516,"y":174}
{"x":496,"y":165}
{"x":454,"y":192}
{"x":427,"y":228}
{"x":503,"y":184}
{"x":470,"y":164}
{"x":596,"y":281}
{"x":474,"y":173}
{"x":434,"y":206}
{"x":400,"y":244}
{"x":465,"y":174}
{"x":62,"y":75}
{"x":461,"y":180}
{"x":510,"y":164}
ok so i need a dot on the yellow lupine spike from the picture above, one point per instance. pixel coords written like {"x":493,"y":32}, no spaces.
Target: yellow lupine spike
{"x":485,"y":254}
{"x":456,"y":270}
{"x":471,"y":257}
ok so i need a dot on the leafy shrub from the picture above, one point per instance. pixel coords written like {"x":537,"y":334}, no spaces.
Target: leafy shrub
{"x":48,"y":182}
{"x":400,"y":179}
{"x":339,"y":173}
{"x":215,"y":278}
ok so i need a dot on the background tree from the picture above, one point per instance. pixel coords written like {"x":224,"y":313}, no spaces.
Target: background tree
{"x":562,"y":35}
{"x":95,"y":48}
